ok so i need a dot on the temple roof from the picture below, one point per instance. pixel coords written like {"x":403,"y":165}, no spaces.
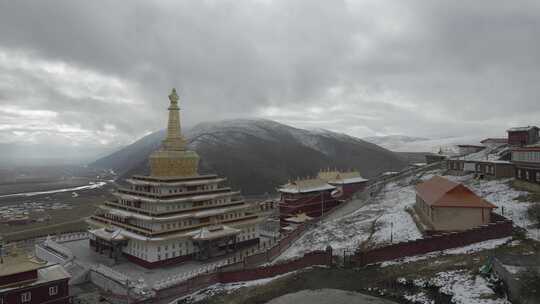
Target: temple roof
{"x":351,"y":180}
{"x":306,"y":185}
{"x":324,"y":181}
{"x":213,"y":232}
{"x":18,"y":262}
{"x":183,"y":214}
{"x":335,"y":174}
{"x":44,"y":274}
{"x":115,"y":234}
{"x":172,"y":235}
{"x":521,"y":129}
{"x":173,"y":178}
{"x":441,"y":192}
{"x":165,"y":199}
{"x":207,"y":179}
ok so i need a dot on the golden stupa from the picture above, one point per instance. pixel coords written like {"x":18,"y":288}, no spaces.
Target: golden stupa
{"x":172,"y":159}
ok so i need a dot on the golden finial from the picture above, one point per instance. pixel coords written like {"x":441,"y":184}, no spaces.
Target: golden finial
{"x":173,"y":97}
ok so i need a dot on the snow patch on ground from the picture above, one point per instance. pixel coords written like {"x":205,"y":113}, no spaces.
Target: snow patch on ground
{"x":486,"y":245}
{"x":420,"y":298}
{"x":465,"y":288}
{"x":226,"y":288}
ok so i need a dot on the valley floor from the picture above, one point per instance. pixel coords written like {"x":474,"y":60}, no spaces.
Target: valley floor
{"x":52,"y":213}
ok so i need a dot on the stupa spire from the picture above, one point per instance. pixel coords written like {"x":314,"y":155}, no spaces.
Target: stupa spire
{"x":173,"y":159}
{"x":174,"y":140}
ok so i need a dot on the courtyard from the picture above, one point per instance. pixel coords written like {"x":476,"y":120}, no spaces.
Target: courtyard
{"x":86,"y":256}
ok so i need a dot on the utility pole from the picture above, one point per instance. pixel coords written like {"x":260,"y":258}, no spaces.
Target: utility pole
{"x":128,"y":287}
{"x":1,"y":250}
{"x":391,"y":232}
{"x":322,"y":204}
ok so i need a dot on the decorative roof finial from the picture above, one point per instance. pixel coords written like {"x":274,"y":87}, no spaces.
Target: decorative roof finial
{"x":173,"y":97}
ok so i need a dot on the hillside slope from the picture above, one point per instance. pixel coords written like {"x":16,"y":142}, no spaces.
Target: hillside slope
{"x":258,"y":155}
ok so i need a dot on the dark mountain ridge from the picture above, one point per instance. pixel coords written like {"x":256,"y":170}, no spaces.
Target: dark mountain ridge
{"x":259,"y":155}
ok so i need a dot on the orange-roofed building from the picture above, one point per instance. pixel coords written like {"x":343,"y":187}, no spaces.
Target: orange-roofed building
{"x":444,"y":205}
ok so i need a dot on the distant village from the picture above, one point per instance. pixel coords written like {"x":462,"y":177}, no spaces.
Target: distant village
{"x":517,"y":156}
{"x":174,"y":232}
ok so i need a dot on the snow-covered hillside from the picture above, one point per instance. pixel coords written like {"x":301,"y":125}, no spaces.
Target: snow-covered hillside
{"x":462,"y":286}
{"x":388,"y":206}
{"x":382,"y":215}
{"x":231,"y":131}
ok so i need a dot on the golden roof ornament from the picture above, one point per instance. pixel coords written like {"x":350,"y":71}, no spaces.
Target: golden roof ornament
{"x":173,"y":159}
{"x":173,"y":97}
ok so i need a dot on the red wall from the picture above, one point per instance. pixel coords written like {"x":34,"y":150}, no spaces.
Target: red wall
{"x":206,"y":280}
{"x":350,"y":189}
{"x":40,"y":294}
{"x":18,"y":277}
{"x":519,"y":138}
{"x":310,"y":259}
{"x":499,"y":229}
{"x":308,"y":203}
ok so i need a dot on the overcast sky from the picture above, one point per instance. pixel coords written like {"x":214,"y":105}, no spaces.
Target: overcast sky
{"x":97,"y":73}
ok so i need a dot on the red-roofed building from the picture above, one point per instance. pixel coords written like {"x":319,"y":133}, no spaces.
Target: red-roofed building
{"x":313,"y":197}
{"x":444,"y":205}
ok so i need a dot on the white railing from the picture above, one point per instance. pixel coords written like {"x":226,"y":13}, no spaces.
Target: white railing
{"x":72,"y":236}
{"x":110,"y":273}
{"x":182,"y":277}
{"x":52,"y":244}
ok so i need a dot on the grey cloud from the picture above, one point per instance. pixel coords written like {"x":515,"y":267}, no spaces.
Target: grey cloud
{"x":421,"y":68}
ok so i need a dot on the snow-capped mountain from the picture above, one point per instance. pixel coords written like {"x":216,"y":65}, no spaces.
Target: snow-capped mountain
{"x":394,"y":142}
{"x":259,"y":155}
{"x":401,"y":143}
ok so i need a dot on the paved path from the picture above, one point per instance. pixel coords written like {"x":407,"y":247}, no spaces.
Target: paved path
{"x":323,"y":296}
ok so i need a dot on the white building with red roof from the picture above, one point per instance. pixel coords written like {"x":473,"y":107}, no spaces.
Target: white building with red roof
{"x":444,"y":205}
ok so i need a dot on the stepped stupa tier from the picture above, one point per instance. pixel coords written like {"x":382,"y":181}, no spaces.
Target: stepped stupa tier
{"x":174,"y":214}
